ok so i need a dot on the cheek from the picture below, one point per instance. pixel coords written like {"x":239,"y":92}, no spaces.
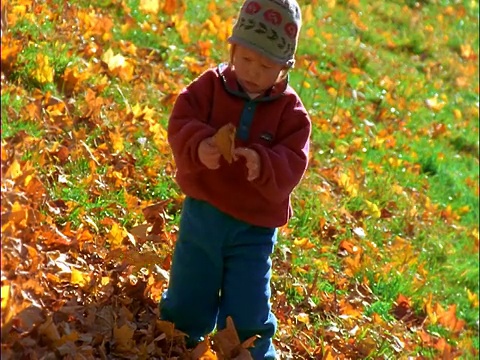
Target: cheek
{"x":270,"y":77}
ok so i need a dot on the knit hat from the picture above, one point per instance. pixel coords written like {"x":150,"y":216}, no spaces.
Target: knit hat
{"x":270,"y":27}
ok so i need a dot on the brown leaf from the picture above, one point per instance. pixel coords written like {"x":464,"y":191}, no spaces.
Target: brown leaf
{"x":155,"y":211}
{"x":169,"y":330}
{"x":227,"y":343}
{"x":225,"y":141}
{"x":123,"y":336}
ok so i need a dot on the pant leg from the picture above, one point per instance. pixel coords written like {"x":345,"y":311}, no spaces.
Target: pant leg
{"x":192,"y":298}
{"x":246,"y":288}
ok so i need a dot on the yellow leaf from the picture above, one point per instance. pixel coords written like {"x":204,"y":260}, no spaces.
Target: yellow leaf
{"x":331,"y":3}
{"x":149,"y":6}
{"x":322,"y":265}
{"x":432,"y":316}
{"x":182,"y":28}
{"x":303,"y":318}
{"x":303,"y":243}
{"x":372,"y":209}
{"x":332,"y":91}
{"x":308,"y":13}
{"x":79,"y":278}
{"x":14,"y":171}
{"x":113,"y":61}
{"x":5,"y":296}
{"x":137,"y":110}
{"x":346,"y":182}
{"x":116,"y":235}
{"x":458,"y":114}
{"x":43,"y":73}
{"x":466,"y":51}
{"x":434,"y":104}
{"x":395,"y":162}
{"x":117,"y":141}
{"x":126,"y":72}
{"x":472,"y":297}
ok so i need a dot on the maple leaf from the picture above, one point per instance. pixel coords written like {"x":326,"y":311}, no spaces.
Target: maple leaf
{"x":304,"y":243}
{"x":118,"y":65}
{"x":43,"y":73}
{"x":224,"y":139}
{"x":116,"y":235}
{"x":149,"y":6}
{"x":79,"y":278}
{"x":171,"y":7}
{"x":373,"y":210}
{"x":434,"y":103}
{"x":117,"y":140}
{"x":228,"y":345}
{"x":123,"y":337}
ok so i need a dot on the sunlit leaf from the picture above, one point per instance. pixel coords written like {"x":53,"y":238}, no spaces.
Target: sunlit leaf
{"x":14,"y":171}
{"x":116,"y":235}
{"x":5,"y":296}
{"x":150,"y":6}
{"x":373,"y":210}
{"x":79,"y":278}
{"x":434,"y":103}
{"x":43,"y":72}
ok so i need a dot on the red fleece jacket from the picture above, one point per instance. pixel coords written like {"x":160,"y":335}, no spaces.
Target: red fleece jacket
{"x":276,"y":125}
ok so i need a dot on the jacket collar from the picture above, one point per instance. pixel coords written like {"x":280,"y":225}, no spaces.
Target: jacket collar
{"x":232,"y":86}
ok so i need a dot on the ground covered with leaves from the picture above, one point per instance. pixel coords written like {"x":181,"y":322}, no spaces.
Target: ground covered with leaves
{"x":381,"y":258}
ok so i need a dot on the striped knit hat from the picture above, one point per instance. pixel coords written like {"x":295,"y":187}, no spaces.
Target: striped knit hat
{"x":270,"y":27}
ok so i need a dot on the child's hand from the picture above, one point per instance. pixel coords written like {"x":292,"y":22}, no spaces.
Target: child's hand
{"x":252,"y":161}
{"x":208,"y":154}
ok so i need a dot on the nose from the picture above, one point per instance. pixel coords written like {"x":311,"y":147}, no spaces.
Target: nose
{"x":253,"y":72}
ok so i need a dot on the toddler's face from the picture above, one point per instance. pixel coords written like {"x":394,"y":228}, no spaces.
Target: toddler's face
{"x":255,"y":72}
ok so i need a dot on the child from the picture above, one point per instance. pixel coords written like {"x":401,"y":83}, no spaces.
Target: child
{"x":221,"y":264}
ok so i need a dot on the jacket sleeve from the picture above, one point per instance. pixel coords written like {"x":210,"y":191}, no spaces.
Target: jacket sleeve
{"x":188,"y":123}
{"x":283,"y":165}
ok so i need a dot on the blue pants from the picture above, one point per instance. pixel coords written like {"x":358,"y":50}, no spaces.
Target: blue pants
{"x":221,"y":267}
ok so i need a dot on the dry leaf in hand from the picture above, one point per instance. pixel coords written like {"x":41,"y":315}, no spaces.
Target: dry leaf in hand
{"x":225,"y":141}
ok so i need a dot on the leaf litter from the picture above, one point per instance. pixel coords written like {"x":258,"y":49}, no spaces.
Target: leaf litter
{"x":90,"y":290}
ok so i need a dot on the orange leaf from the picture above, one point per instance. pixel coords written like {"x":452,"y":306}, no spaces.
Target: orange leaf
{"x":203,"y":352}
{"x":227,"y":343}
{"x":170,"y":7}
{"x":449,"y":319}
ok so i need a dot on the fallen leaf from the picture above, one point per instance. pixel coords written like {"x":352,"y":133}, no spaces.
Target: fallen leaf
{"x":149,"y":6}
{"x":227,"y":343}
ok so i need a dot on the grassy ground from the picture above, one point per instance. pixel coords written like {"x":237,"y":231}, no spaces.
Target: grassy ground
{"x":381,"y":257}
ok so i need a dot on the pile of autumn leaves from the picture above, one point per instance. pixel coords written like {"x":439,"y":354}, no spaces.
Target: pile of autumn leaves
{"x":65,"y":297}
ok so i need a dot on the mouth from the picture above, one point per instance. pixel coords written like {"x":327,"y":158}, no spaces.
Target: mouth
{"x":250,"y":86}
